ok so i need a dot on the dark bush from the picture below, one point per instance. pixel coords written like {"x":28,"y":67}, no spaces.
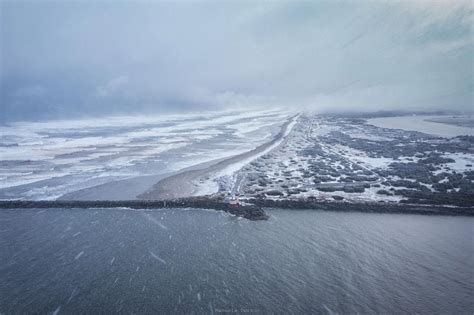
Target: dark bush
{"x":354,"y":189}
{"x":327,"y":189}
{"x":274,"y":193}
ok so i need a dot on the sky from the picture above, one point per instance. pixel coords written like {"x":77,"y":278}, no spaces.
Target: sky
{"x":89,"y":58}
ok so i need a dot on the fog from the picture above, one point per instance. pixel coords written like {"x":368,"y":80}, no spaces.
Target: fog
{"x":88,"y":58}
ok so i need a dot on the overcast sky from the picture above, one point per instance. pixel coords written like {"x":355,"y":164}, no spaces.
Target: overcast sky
{"x":79,"y":58}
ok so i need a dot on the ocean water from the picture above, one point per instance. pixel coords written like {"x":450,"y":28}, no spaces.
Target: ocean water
{"x":184,"y":261}
{"x":45,"y":160}
{"x":421,"y":124}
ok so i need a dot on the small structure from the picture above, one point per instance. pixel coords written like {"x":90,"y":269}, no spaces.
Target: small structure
{"x":233,"y":201}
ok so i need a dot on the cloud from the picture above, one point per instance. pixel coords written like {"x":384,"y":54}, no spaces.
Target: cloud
{"x":156,"y":56}
{"x":30,"y":91}
{"x":112,"y":86}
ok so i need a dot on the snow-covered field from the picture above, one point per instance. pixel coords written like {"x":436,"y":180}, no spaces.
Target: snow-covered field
{"x":348,"y":159}
{"x":44,"y":160}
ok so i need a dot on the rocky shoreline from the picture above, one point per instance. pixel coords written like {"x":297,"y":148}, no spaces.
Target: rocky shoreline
{"x":366,"y":207}
{"x":252,"y":209}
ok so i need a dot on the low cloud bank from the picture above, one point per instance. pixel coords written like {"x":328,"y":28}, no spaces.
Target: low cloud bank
{"x":87,"y":58}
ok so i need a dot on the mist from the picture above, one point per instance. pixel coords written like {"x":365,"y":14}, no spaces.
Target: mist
{"x":84,"y":58}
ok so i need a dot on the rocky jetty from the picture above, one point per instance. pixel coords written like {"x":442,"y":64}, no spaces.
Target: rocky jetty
{"x":248,"y":211}
{"x":252,"y":209}
{"x":373,"y":207}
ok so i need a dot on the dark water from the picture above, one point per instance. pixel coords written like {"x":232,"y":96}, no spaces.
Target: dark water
{"x":183,"y":261}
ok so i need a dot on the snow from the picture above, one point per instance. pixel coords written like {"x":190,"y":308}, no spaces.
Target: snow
{"x":232,"y":168}
{"x":322,"y":129}
{"x":157,"y":258}
{"x":79,"y":255}
{"x":56,"y":311}
{"x":360,"y":156}
{"x":155,"y":221}
{"x":461,"y":160}
{"x":210,"y":186}
{"x":72,"y":295}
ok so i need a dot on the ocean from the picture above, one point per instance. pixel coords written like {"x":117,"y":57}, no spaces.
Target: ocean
{"x":203,"y":261}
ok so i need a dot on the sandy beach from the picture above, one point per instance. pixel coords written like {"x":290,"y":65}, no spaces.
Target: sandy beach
{"x":201,"y":181}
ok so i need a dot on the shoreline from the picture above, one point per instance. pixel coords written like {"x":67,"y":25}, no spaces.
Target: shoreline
{"x":127,"y":188}
{"x":253,"y":209}
{"x":422,"y":123}
{"x":189,"y":183}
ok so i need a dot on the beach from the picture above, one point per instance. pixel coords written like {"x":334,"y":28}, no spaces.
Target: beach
{"x":204,"y":181}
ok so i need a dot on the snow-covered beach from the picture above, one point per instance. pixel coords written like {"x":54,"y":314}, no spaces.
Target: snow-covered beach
{"x":204,"y":181}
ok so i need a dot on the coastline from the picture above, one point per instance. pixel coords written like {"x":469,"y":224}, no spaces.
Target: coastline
{"x":369,"y":171}
{"x":192,"y":182}
{"x":128,"y":188}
